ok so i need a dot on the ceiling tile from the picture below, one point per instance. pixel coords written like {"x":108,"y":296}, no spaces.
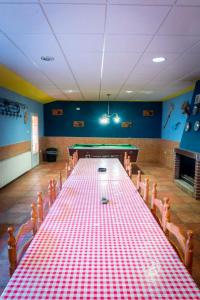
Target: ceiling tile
{"x":183,"y":66}
{"x":188,"y":2}
{"x":81,"y":42}
{"x":57,"y":70}
{"x":18,"y":1}
{"x":126,"y":43}
{"x":182,"y":20}
{"x":117,"y":67}
{"x":75,"y":1}
{"x":12,"y":58}
{"x":135,"y":19}
{"x":91,"y":94}
{"x":87,"y":69}
{"x":143,"y":2}
{"x":69,"y":19}
{"x":22,"y":18}
{"x":172,"y":43}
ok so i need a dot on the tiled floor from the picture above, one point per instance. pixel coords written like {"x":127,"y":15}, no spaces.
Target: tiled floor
{"x":15,"y":200}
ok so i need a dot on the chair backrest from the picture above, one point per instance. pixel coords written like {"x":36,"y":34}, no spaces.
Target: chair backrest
{"x":60,"y":181}
{"x":74,"y":158}
{"x":125,"y":159}
{"x":159,"y":208}
{"x":43,"y":205}
{"x":143,"y":187}
{"x":128,"y":165}
{"x":19,"y":244}
{"x":185,"y":244}
{"x":52,"y":190}
{"x":68,"y":169}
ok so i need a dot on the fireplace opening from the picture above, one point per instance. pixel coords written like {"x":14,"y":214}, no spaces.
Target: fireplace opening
{"x":187,"y":169}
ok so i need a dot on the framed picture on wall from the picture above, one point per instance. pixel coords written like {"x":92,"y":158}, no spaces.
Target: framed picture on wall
{"x":78,"y":123}
{"x":148,"y":113}
{"x":126,"y":124}
{"x":57,"y":112}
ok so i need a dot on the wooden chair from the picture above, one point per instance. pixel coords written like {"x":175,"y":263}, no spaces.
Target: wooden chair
{"x":19,"y":244}
{"x":43,"y":205}
{"x":125,"y":159}
{"x":74,"y":158}
{"x":161,"y":206}
{"x":68,"y":169}
{"x":52,"y":190}
{"x":60,"y":181}
{"x":143,"y":187}
{"x":184,"y":248}
{"x":128,"y":166}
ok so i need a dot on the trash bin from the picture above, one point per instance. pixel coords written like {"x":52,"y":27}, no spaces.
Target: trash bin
{"x":51,"y":154}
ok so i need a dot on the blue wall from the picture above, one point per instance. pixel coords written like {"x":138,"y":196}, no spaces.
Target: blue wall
{"x":191,"y":139}
{"x":171,"y":131}
{"x":12,"y":129}
{"x":90,"y":112}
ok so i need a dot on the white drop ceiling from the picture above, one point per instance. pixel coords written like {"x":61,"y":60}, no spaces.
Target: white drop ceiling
{"x":102,"y":46}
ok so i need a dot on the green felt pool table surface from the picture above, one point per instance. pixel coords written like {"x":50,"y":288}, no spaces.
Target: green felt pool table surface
{"x":103,"y":146}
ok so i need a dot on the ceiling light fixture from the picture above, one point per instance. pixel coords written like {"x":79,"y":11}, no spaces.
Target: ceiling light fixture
{"x":70,"y":91}
{"x":47,"y":58}
{"x":129,"y":92}
{"x":158,"y":59}
{"x":105,"y":119}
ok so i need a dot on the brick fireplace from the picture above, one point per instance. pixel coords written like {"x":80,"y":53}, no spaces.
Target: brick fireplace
{"x":187,"y":171}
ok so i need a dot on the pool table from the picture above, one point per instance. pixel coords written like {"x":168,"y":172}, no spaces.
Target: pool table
{"x":105,"y":150}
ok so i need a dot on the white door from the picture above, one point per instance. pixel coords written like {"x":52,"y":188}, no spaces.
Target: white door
{"x":34,"y":140}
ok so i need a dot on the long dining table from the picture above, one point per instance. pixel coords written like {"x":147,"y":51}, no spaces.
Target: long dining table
{"x":85,"y":249}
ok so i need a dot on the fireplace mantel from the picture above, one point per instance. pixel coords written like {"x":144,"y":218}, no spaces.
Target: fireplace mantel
{"x":191,"y":154}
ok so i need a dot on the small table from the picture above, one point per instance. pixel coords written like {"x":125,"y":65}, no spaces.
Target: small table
{"x":105,"y":151}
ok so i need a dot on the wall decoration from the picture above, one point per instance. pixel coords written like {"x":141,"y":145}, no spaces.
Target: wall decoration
{"x":170,"y":110}
{"x":186,"y":108}
{"x":57,"y":112}
{"x":187,"y":126}
{"x":78,"y":123}
{"x":12,"y":108}
{"x":148,"y":113}
{"x":195,"y":109}
{"x":177,"y":125}
{"x":127,"y":124}
{"x":26,"y":117}
{"x":196,"y":125}
{"x":197,"y":99}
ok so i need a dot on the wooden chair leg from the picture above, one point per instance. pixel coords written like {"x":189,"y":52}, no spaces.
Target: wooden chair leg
{"x":12,"y":253}
{"x":40,"y":209}
{"x":189,"y":251}
{"x":146,"y":191}
{"x":50,"y":191}
{"x":153,"y":196}
{"x":138,"y":180}
{"x":34,"y":217}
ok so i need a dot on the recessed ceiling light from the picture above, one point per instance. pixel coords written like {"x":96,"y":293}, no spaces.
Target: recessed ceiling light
{"x":70,"y":91}
{"x":47,"y":58}
{"x":158,"y":59}
{"x":129,"y":92}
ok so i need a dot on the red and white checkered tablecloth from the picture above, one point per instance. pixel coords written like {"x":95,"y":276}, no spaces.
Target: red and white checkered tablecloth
{"x":87,"y":168}
{"x":89,"y":250}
